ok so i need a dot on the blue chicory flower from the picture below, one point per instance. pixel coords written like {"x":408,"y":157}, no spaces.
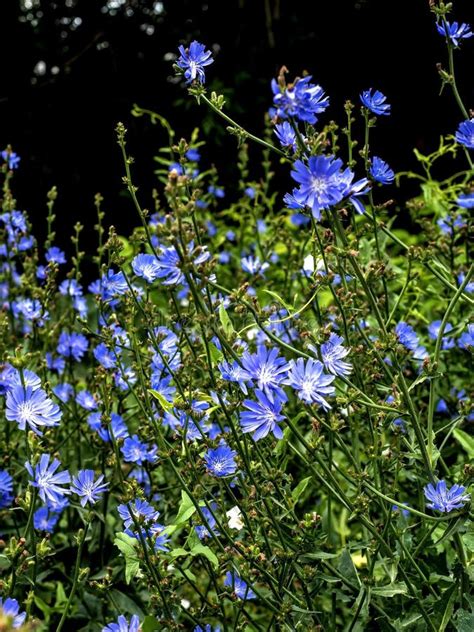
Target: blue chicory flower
{"x":240,"y":588}
{"x":221,"y":460}
{"x":47,"y":480}
{"x":444,"y":499}
{"x":466,"y":200}
{"x":262,"y":416}
{"x":303,"y":100}
{"x":310,"y":381}
{"x":123,"y":625}
{"x":380,"y":171}
{"x":146,"y":266}
{"x":11,"y":608}
{"x":6,"y":489}
{"x":88,"y":489}
{"x":139,"y":452}
{"x":31,"y":408}
{"x":375,"y":102}
{"x":465,"y":133}
{"x":455,"y":31}
{"x":193,"y":60}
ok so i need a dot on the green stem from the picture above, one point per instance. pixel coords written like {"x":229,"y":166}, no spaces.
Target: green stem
{"x":75,"y":577}
{"x":242,"y":130}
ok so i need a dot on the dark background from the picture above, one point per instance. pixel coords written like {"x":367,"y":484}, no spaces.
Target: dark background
{"x":71,"y":69}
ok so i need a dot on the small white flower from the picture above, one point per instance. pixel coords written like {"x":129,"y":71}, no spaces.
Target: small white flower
{"x":235,"y":518}
{"x":251,"y":333}
{"x":185,"y":603}
{"x":308,"y":263}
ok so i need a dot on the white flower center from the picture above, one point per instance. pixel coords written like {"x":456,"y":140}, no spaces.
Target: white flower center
{"x":26,"y":412}
{"x":319,"y":185}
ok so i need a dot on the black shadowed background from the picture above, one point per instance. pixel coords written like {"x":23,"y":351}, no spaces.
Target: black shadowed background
{"x":72,"y":69}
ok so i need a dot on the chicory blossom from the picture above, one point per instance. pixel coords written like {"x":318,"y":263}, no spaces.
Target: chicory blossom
{"x":465,"y":133}
{"x":466,"y":200}
{"x":455,"y":31}
{"x":87,"y":488}
{"x":72,"y":345}
{"x":12,"y":158}
{"x":140,"y":511}
{"x":375,"y":102}
{"x":262,"y":416}
{"x":267,"y":369}
{"x":444,"y":499}
{"x":146,"y":266}
{"x":239,"y":587}
{"x":310,"y":381}
{"x":333,"y":353}
{"x":10,"y":608}
{"x":302,"y":100}
{"x":447,"y":224}
{"x":31,"y":407}
{"x":433,"y":331}
{"x":380,"y":171}
{"x":323,"y":184}
{"x":123,"y":625}
{"x":6,"y":489}
{"x":221,"y":460}
{"x":253,"y":265}
{"x":206,"y":531}
{"x":466,"y":339}
{"x":44,"y":519}
{"x":193,"y":60}
{"x":136,"y":451}
{"x":286,"y":135}
{"x":47,"y":480}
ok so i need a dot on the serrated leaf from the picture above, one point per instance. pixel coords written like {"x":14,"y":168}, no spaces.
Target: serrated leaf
{"x":164,"y":403}
{"x":200,"y":549}
{"x":226,"y":322}
{"x":466,"y":441}
{"x":299,"y":489}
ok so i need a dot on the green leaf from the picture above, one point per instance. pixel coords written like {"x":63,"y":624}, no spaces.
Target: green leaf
{"x":43,"y":606}
{"x":179,"y":552}
{"x":126,"y":604}
{"x":186,"y":509}
{"x":150,"y":624}
{"x":299,"y":489}
{"x":164,"y":403}
{"x":225,"y":321}
{"x":390,"y":590}
{"x":127,"y":248}
{"x":200,"y":549}
{"x":128,"y":548}
{"x":60,"y":594}
{"x":466,"y":441}
{"x":444,"y":608}
{"x":347,"y":568}
{"x":216,"y":354}
{"x":318,"y":555}
{"x":464,"y":621}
